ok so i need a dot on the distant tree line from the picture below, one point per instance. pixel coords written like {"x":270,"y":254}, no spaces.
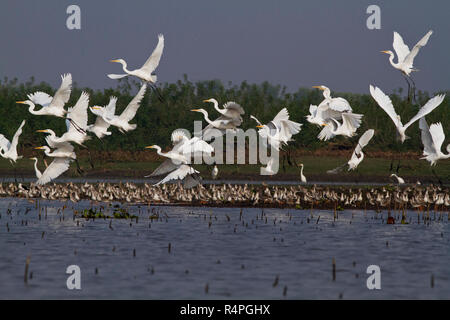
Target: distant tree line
{"x":157,"y":119}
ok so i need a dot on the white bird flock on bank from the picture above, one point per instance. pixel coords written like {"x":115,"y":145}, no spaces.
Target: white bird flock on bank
{"x":333,"y":114}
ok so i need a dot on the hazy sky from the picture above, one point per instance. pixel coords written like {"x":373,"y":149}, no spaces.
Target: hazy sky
{"x":293,"y":43}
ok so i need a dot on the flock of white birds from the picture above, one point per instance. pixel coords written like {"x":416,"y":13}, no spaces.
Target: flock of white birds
{"x":334,"y":115}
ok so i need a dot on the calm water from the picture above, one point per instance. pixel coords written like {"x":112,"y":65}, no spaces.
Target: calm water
{"x":236,"y":257}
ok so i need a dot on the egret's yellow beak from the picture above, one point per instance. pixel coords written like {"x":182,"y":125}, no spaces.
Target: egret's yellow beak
{"x":318,"y":87}
{"x":384,"y":51}
{"x":324,"y":125}
{"x":150,"y":147}
{"x":96,"y":108}
{"x":21,"y":102}
{"x":259,"y":126}
{"x":114,"y":60}
{"x":39,"y":148}
{"x":196,"y":110}
{"x":44,"y":131}
{"x":207,"y":100}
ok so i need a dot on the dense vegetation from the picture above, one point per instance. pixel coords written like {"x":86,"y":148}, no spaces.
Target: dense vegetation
{"x":156,"y":120}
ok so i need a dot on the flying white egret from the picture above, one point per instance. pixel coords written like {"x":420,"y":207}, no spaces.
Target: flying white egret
{"x":386,"y":104}
{"x":51,"y":106}
{"x":100,"y":127}
{"x":230,"y":110}
{"x":350,"y":123}
{"x":53,"y":171}
{"x":405,"y":57}
{"x":145,"y":73}
{"x":38,"y":173}
{"x":216,"y":127}
{"x":432,"y":138}
{"x":399,"y":179}
{"x":337,"y":104}
{"x":76,"y":124}
{"x":179,"y":159}
{"x":8,"y":150}
{"x":302,"y":177}
{"x":279,"y":131}
{"x":358,"y":155}
{"x":63,"y":150}
{"x":122,"y":121}
{"x":271,"y":167}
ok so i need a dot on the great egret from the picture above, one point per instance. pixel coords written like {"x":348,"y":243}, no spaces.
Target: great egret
{"x":350,"y":123}
{"x":215,"y":172}
{"x":230,"y":110}
{"x":62,"y":150}
{"x":38,"y":173}
{"x":8,"y":150}
{"x":53,"y":171}
{"x":126,"y":116}
{"x":216,"y":127}
{"x":51,"y":106}
{"x":432,"y":138}
{"x":179,"y":159}
{"x":76,"y":124}
{"x":145,"y":73}
{"x":358,"y":155}
{"x":338,"y":104}
{"x":100,"y":127}
{"x":302,"y":177}
{"x":386,"y":104}
{"x":399,"y":179}
{"x":405,"y":58}
{"x":279,"y":131}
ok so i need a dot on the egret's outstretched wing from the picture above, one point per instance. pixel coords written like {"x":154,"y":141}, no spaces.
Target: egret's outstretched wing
{"x":326,"y":133}
{"x":312,"y":109}
{"x":179,"y":135}
{"x":62,"y":95}
{"x":130,"y":111}
{"x":282,"y":115}
{"x":54,"y":170}
{"x":110,"y":109}
{"x":163,"y":168}
{"x":325,"y":112}
{"x":427,"y":139}
{"x":432,"y":104}
{"x":385,"y":103}
{"x":40,"y":98}
{"x":190,"y":182}
{"x":415,"y":50}
{"x":153,"y":61}
{"x":437,"y":134}
{"x":195,"y":146}
{"x":365,"y":138}
{"x":351,"y":121}
{"x":78,"y":114}
{"x":288,"y":129}
{"x":4,"y":143}
{"x":231,"y":105}
{"x":15,"y":139}
{"x":178,"y":174}
{"x":400,"y":47}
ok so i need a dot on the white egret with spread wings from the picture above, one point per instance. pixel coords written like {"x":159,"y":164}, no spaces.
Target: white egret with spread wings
{"x":358,"y":155}
{"x":51,"y":106}
{"x":8,"y":150}
{"x":386,"y":104}
{"x":100,"y":127}
{"x":432,"y":138}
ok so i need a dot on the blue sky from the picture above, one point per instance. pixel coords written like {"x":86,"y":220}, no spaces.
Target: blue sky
{"x":293,"y":43}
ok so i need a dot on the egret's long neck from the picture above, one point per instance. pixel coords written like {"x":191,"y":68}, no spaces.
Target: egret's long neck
{"x":158,"y":151}
{"x":257,"y":121}
{"x":38,"y":173}
{"x":391,"y":60}
{"x":216,"y":106}
{"x":301,"y":171}
{"x":205,"y":114}
{"x":124,"y":66}
{"x":31,"y":108}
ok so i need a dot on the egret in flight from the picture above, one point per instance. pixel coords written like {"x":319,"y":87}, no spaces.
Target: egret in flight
{"x":145,"y":73}
{"x":100,"y":127}
{"x":405,"y":57}
{"x":230,"y":110}
{"x":122,"y":121}
{"x":216,"y":127}
{"x":350,"y":123}
{"x":279,"y":131}
{"x":8,"y":150}
{"x":432,"y":138}
{"x":76,"y":124}
{"x":51,"y":106}
{"x":179,"y":159}
{"x":386,"y":104}
{"x":358,"y":155}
